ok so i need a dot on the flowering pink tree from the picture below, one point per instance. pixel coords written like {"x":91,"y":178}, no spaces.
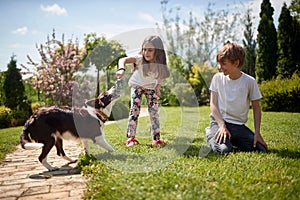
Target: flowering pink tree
{"x":54,"y":76}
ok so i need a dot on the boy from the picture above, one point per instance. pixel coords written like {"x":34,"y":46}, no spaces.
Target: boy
{"x":231,"y":94}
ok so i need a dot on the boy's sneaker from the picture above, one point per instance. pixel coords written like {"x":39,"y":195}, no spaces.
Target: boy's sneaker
{"x":131,"y":142}
{"x":158,"y":142}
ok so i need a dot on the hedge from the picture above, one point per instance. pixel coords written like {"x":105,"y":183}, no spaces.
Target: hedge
{"x":281,"y":95}
{"x":5,"y":117}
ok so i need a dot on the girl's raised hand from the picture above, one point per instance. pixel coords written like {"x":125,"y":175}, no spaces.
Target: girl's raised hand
{"x":120,"y":73}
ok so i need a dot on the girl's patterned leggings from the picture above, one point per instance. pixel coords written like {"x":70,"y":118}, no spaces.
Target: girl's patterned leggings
{"x":152,"y":101}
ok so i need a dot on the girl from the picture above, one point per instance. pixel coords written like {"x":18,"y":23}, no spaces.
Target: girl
{"x":149,"y":71}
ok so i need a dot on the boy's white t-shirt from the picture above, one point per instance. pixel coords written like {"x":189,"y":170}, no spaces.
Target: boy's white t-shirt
{"x":234,"y":96}
{"x":138,"y":78}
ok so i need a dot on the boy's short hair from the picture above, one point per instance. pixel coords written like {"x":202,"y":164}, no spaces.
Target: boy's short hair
{"x":232,"y":52}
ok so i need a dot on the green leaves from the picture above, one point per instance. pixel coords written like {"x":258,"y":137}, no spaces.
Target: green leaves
{"x":281,"y":94}
{"x":55,"y":75}
{"x":267,"y":44}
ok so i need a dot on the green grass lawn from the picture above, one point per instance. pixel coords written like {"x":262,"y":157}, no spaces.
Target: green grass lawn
{"x":9,"y":138}
{"x":179,"y":170}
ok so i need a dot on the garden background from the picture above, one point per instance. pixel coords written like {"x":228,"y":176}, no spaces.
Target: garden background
{"x":272,"y":57}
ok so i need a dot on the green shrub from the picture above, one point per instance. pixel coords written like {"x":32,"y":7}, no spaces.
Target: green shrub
{"x":168,"y":98}
{"x":281,"y":95}
{"x":19,"y":117}
{"x":120,"y":109}
{"x":37,"y":105}
{"x":5,"y":117}
{"x":185,"y":94}
{"x":200,"y":78}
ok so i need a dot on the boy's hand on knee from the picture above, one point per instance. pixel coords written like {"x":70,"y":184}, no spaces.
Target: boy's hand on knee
{"x":222,"y":134}
{"x":258,"y":138}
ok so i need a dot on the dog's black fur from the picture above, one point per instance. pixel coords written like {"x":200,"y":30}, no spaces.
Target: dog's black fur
{"x":51,"y":125}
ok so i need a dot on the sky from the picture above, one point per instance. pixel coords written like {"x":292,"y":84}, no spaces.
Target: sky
{"x":25,"y":23}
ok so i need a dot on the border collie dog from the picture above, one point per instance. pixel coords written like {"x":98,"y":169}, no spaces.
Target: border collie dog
{"x":47,"y":127}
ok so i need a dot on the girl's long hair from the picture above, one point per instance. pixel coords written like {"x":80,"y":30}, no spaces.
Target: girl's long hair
{"x":160,"y":59}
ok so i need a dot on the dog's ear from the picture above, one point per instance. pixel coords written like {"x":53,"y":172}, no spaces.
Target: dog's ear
{"x":95,"y":103}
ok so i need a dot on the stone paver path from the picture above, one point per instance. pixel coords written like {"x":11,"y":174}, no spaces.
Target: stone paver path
{"x":23,"y":177}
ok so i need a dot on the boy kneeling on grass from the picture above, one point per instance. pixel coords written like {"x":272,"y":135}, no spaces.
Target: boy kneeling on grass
{"x":231,"y":93}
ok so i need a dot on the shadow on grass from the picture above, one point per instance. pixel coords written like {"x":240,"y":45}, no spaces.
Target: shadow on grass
{"x":198,"y":148}
{"x":193,"y":150}
{"x":143,"y":155}
{"x":285,"y":153}
{"x":181,"y":146}
{"x":106,"y":156}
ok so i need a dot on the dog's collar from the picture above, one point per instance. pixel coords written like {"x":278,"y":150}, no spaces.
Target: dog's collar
{"x":102,"y":116}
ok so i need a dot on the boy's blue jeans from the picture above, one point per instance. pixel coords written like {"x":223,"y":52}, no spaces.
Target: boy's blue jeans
{"x":241,"y":137}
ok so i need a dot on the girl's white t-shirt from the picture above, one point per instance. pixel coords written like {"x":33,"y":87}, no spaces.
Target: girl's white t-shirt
{"x":234,"y":96}
{"x":138,"y":78}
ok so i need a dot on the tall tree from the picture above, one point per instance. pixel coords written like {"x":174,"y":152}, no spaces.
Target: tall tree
{"x":266,"y":60}
{"x":194,"y":41}
{"x":13,"y":86}
{"x":55,"y":75}
{"x":295,"y":12}
{"x":199,"y":41}
{"x":286,"y":66}
{"x":102,"y":53}
{"x":249,"y":45}
{"x":295,"y":9}
{"x":2,"y":94}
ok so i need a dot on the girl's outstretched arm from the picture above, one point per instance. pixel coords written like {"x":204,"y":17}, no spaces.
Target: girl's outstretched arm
{"x":121,"y":65}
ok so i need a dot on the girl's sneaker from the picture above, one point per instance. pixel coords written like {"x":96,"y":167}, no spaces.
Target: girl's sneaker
{"x":131,"y":142}
{"x":158,"y":142}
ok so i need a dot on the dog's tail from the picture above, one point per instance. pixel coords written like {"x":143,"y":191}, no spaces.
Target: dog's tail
{"x":25,"y":140}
